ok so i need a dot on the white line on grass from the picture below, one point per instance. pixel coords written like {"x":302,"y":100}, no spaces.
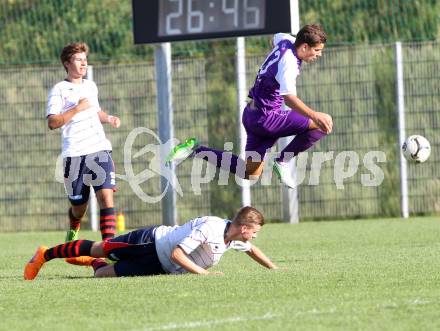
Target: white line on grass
{"x":199,"y":324}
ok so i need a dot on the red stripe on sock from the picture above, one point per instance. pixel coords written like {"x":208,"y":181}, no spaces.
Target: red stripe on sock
{"x":78,"y":243}
{"x":55,"y":251}
{"x":75,"y":225}
{"x":70,"y":250}
{"x":108,"y":217}
{"x":109,"y":223}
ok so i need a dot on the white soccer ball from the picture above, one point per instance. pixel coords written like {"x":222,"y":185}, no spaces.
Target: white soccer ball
{"x":416,"y":148}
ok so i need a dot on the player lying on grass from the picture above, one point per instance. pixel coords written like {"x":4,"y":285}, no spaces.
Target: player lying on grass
{"x":192,"y":247}
{"x":264,"y":118}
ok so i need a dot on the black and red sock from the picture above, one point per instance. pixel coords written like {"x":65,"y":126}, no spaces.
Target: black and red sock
{"x":75,"y":223}
{"x":107,"y":223}
{"x":69,"y":249}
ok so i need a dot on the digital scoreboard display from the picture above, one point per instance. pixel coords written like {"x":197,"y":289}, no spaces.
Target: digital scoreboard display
{"x":157,"y":21}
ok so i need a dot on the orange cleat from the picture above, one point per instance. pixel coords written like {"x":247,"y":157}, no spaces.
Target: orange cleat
{"x":34,"y":265}
{"x":80,"y":260}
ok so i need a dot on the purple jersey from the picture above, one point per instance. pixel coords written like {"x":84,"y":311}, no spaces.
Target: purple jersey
{"x":277,"y":76}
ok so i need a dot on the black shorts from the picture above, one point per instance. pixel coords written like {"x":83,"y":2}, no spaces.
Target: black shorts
{"x":139,"y":257}
{"x":81,"y":172}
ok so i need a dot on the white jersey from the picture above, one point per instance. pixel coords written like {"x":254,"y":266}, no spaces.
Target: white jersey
{"x":84,"y":133}
{"x":288,"y":66}
{"x":201,"y":238}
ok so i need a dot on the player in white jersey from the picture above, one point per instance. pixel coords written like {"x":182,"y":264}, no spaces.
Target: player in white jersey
{"x":193,"y":247}
{"x":73,"y":107}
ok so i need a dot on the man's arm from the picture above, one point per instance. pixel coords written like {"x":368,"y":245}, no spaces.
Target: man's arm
{"x":322,"y":120}
{"x":261,"y":258}
{"x":114,"y":121}
{"x":58,"y":120}
{"x":180,"y":257}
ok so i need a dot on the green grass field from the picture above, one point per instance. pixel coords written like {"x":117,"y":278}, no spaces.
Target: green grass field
{"x":347,"y":275}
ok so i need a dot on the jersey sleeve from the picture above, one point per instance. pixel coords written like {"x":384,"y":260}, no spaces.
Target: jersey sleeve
{"x":287,"y":73}
{"x":241,"y":246}
{"x":282,"y":36}
{"x":54,"y":102}
{"x":198,"y":236}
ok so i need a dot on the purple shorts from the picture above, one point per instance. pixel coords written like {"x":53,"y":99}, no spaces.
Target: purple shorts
{"x":263,"y":129}
{"x":81,"y":172}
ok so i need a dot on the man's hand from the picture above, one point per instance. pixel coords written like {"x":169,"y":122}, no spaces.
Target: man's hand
{"x":58,"y":120}
{"x":179,"y":257}
{"x":114,"y":121}
{"x":83,"y":104}
{"x":323,"y":121}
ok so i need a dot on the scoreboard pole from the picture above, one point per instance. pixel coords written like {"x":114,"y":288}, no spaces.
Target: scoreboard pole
{"x":162,"y":57}
{"x":241,"y":103}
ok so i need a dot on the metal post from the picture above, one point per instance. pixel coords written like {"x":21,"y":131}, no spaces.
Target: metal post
{"x":290,"y":196}
{"x":401,"y":119}
{"x":166,"y":129}
{"x":93,"y":204}
{"x":241,"y":103}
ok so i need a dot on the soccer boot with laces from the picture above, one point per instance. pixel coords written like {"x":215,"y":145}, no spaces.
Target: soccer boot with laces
{"x":284,"y":173}
{"x":80,"y":260}
{"x":182,"y":151}
{"x":72,"y":235}
{"x":34,"y":265}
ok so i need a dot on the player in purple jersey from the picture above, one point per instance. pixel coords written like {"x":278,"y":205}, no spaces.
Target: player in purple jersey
{"x":264,"y":118}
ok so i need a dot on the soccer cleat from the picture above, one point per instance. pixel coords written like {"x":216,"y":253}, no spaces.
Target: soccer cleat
{"x":283,"y":171}
{"x":80,"y":260}
{"x":182,"y":151}
{"x":72,"y":235}
{"x":34,"y":265}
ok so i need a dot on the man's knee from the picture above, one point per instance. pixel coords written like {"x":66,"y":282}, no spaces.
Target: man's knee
{"x":107,"y":271}
{"x":317,"y":134}
{"x":100,"y":273}
{"x":253,"y":169}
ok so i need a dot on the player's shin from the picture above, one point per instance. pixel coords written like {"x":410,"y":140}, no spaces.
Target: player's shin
{"x":301,"y":143}
{"x":70,"y":249}
{"x":107,"y":223}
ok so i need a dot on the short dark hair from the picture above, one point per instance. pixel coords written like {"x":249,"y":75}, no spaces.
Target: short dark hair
{"x":71,"y":49}
{"x":248,"y":216}
{"x":310,"y":34}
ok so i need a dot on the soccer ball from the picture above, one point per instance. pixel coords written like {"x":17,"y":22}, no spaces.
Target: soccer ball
{"x":416,"y":148}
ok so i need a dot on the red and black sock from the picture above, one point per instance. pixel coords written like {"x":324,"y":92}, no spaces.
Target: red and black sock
{"x":75,"y":223}
{"x":69,"y":249}
{"x":107,"y":223}
{"x":98,"y":264}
